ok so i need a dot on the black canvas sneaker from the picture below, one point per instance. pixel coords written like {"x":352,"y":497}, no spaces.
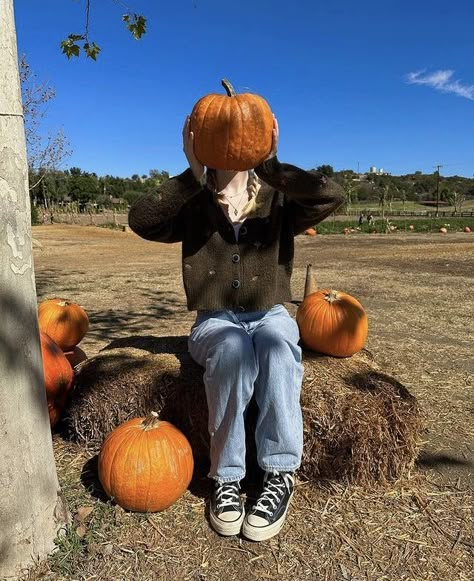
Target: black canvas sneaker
{"x":226,"y":509}
{"x":268,"y":515}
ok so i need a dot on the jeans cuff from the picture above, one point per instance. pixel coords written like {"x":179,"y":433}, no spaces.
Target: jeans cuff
{"x":280,"y":468}
{"x":225,"y":479}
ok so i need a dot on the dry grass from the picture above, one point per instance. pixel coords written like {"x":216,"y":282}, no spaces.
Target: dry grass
{"x":414,"y":530}
{"x":418,"y":293}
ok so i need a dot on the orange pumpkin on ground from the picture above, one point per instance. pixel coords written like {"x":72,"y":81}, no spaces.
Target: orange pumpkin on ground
{"x":331,"y":322}
{"x":467,"y":229}
{"x":145,"y":464}
{"x":311,"y":232}
{"x":75,"y":357}
{"x":232,"y":131}
{"x":58,"y":377}
{"x":64,"y":321}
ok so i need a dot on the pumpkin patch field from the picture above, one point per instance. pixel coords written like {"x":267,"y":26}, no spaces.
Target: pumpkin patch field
{"x":416,"y":290}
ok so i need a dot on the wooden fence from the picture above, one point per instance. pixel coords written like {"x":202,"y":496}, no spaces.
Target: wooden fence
{"x":82,"y":218}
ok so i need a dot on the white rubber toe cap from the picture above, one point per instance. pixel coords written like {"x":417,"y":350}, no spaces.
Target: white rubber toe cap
{"x":256,"y":521}
{"x":229,"y":516}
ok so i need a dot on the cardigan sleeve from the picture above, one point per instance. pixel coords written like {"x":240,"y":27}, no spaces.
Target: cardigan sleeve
{"x":312,"y":196}
{"x":157,"y":216}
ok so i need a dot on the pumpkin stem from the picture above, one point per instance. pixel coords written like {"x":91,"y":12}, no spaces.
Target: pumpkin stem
{"x":151,"y":421}
{"x":331,"y":297}
{"x":311,"y":285}
{"x":229,"y":88}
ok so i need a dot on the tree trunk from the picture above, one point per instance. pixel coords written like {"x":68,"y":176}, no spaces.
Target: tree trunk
{"x":31,"y":507}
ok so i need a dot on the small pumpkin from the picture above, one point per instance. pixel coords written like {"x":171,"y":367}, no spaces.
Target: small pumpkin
{"x":467,"y":229}
{"x":331,"y":322}
{"x":145,"y":464}
{"x":75,"y":357}
{"x":443,"y":230}
{"x":411,"y":227}
{"x":232,"y":132}
{"x":64,"y":321}
{"x":57,"y":370}
{"x":311,"y":232}
{"x":58,"y":377}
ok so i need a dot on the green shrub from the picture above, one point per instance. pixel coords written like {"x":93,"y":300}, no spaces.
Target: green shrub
{"x":330,"y":226}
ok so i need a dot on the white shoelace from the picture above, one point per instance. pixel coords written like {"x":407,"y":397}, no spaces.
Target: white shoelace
{"x":272,"y":492}
{"x":227,"y":495}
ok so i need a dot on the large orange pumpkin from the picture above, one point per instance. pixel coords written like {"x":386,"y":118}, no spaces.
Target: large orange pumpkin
{"x":64,"y":321}
{"x":232,"y":132}
{"x":58,"y":376}
{"x":145,"y":464}
{"x":331,"y":322}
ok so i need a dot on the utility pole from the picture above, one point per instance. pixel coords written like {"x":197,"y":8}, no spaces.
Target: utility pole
{"x":437,"y":189}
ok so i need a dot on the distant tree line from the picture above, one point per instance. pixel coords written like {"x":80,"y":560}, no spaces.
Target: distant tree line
{"x":88,"y":190}
{"x":382,"y":190}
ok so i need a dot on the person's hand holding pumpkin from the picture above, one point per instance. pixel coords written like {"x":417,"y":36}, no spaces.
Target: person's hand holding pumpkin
{"x":275,"y":135}
{"x":188,"y":148}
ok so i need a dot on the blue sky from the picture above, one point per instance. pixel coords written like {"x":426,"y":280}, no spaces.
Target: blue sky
{"x":352,"y":83}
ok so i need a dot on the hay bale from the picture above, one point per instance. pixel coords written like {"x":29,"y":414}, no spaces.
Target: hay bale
{"x":360,"y":425}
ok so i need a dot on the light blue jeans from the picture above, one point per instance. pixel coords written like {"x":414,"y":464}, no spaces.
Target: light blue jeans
{"x":246,"y":353}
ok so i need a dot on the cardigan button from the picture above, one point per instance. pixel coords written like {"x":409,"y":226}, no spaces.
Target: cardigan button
{"x":235,"y":283}
{"x":235,"y":258}
{"x":243,"y":231}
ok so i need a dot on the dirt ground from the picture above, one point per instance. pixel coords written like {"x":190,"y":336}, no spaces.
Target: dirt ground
{"x":417,"y":290}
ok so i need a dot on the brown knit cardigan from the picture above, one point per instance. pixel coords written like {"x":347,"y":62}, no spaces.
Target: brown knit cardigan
{"x":253,"y":272}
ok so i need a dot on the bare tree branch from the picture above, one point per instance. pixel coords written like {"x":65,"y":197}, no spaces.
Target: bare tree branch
{"x":45,"y":153}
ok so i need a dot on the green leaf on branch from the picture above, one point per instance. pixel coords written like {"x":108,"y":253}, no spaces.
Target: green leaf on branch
{"x":76,"y":37}
{"x":137,"y":24}
{"x":70,"y":47}
{"x":92,"y":50}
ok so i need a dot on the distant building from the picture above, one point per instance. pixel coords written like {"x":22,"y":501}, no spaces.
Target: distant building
{"x":379,"y":172}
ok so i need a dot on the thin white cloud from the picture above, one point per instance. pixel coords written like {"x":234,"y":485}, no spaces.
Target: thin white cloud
{"x":442,"y":81}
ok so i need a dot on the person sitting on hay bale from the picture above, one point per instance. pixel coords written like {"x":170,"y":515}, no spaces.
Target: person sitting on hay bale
{"x":237,"y":230}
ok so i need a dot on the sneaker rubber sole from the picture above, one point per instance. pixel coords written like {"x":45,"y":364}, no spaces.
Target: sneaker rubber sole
{"x":226,"y":529}
{"x":266,"y":532}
